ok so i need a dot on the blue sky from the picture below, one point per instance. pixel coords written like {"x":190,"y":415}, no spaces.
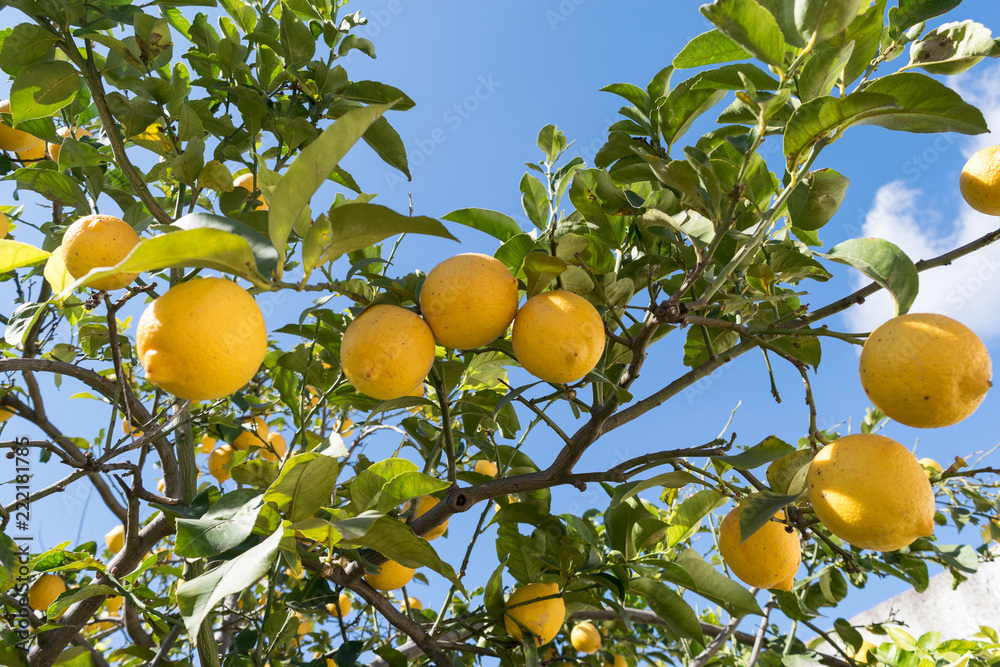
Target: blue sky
{"x":487,"y":76}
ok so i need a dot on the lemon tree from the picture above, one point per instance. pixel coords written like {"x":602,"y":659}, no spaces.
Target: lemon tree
{"x":190,"y":252}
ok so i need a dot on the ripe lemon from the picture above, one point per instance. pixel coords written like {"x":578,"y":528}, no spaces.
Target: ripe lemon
{"x":391,"y":575}
{"x":414,"y":603}
{"x":767,"y":559}
{"x":5,"y":414}
{"x":217,"y":462}
{"x":256,"y":434}
{"x":11,"y":139}
{"x":55,"y":149}
{"x":558,"y":336}
{"x":980,"y":181}
{"x":386,"y":351}
{"x":585,"y":638}
{"x":861,"y":655}
{"x":245,"y":181}
{"x":542,"y":618}
{"x":276,"y":447}
{"x":925,"y":370}
{"x":484,"y":467}
{"x":870,"y":490}
{"x":618,"y":662}
{"x":129,"y":429}
{"x":342,"y":607}
{"x":206,"y":444}
{"x":115,"y":539}
{"x":930,"y":466}
{"x":99,"y":241}
{"x":45,"y":590}
{"x":4,"y":225}
{"x":33,"y":154}
{"x":202,"y":340}
{"x":469,"y":300}
{"x":424,"y":503}
{"x":344,"y":427}
{"x":113,"y":604}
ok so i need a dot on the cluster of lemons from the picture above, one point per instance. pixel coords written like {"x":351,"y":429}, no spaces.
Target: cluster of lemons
{"x":466,"y":302}
{"x":921,"y":369}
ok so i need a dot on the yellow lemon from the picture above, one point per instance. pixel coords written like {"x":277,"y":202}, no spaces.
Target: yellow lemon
{"x":930,"y":466}
{"x":305,"y":627}
{"x":488,"y":468}
{"x":861,"y":655}
{"x":99,"y":241}
{"x":980,"y":181}
{"x":469,"y":300}
{"x":202,"y":340}
{"x":618,"y":662}
{"x":11,"y":139}
{"x":5,"y":414}
{"x":391,"y":575}
{"x":55,"y":149}
{"x":870,"y":490}
{"x":542,"y":618}
{"x":558,"y":336}
{"x":255,"y":433}
{"x":245,"y":181}
{"x":424,"y":503}
{"x":344,"y":427}
{"x":585,"y":638}
{"x":115,"y":539}
{"x":276,"y":447}
{"x":4,"y":225}
{"x":114,"y":604}
{"x":45,"y":590}
{"x":129,"y":429}
{"x":33,"y":154}
{"x":386,"y":351}
{"x":217,"y":462}
{"x":414,"y":603}
{"x":206,"y":444}
{"x":342,"y":607}
{"x":925,"y":370}
{"x":767,"y":559}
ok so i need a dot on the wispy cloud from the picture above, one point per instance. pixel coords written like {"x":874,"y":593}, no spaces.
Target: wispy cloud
{"x":969,"y":289}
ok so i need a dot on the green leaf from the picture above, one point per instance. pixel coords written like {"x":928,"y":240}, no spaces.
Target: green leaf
{"x":686,"y":103}
{"x":816,"y":119}
{"x":788,"y":474}
{"x":911,"y":12}
{"x":710,"y":48}
{"x":41,"y":89}
{"x":769,"y":449}
{"x":953,"y":48}
{"x":304,"y":485}
{"x":373,"y":92}
{"x":357,"y":226}
{"x":264,"y":253}
{"x":730,"y":77}
{"x":822,"y":71}
{"x":551,"y":141}
{"x":520,"y":553}
{"x":290,"y":196}
{"x":696,"y":350}
{"x":819,"y":20}
{"x":366,"y":487}
{"x":394,"y":540}
{"x":924,"y":105}
{"x":749,"y":25}
{"x":74,"y":595}
{"x":14,"y":255}
{"x":669,"y":480}
{"x":21,"y":321}
{"x":807,"y":349}
{"x":629,"y":525}
{"x":541,"y":268}
{"x":494,"y":223}
{"x":385,"y":141}
{"x":26,"y":44}
{"x":297,"y":41}
{"x":817,"y":198}
{"x":669,"y":606}
{"x":758,"y":508}
{"x":407,"y":486}
{"x":206,"y":248}
{"x":884,"y":263}
{"x":712,"y":584}
{"x":535,"y":201}
{"x":53,"y":185}
{"x":635,"y":95}
{"x":197,"y":597}
{"x":226,"y":525}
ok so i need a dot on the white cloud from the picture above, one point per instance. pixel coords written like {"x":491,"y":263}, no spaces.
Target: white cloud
{"x":969,"y":289}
